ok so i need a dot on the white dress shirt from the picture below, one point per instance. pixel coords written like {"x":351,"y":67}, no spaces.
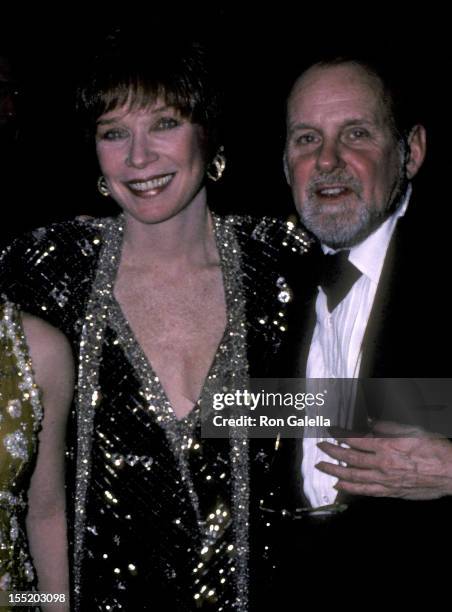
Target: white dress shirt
{"x":336,"y":347}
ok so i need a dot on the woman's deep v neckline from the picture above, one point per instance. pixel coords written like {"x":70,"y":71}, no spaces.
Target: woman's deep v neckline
{"x":143,"y":365}
{"x":230,"y":268}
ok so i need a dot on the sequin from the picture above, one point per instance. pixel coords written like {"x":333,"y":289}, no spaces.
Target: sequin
{"x":5,"y":582}
{"x":284,"y":297}
{"x":132,"y":460}
{"x":17,"y":445}
{"x":14,"y":529}
{"x":29,"y":571}
{"x":14,"y":408}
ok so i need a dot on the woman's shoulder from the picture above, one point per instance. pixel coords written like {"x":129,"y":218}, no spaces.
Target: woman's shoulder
{"x":271,"y":233}
{"x":49,"y":271}
{"x":72,"y":233}
{"x":56,"y":247}
{"x":269,"y":244}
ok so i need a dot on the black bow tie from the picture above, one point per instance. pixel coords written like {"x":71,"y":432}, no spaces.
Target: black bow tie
{"x":337,"y":277}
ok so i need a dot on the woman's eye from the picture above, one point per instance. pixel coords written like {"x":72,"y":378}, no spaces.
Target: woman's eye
{"x":166,"y":123}
{"x":113,"y":134}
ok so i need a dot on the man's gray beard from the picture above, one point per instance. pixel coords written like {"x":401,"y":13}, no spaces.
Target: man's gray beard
{"x":337,"y":230}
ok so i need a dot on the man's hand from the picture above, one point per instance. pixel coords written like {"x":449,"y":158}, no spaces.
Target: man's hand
{"x":393,"y":461}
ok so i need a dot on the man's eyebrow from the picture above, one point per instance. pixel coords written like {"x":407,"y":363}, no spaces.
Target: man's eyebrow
{"x":295,"y":127}
{"x":359,"y":121}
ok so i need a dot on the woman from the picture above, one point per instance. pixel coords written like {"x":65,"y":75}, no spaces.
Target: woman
{"x":167,"y":304}
{"x":34,"y":401}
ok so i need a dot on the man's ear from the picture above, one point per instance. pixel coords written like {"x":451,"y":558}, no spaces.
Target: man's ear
{"x":417,"y":145}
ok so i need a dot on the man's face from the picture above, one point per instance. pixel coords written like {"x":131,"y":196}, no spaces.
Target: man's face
{"x":342,"y":160}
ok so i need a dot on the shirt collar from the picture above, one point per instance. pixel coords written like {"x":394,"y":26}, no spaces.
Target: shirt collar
{"x":368,"y":256}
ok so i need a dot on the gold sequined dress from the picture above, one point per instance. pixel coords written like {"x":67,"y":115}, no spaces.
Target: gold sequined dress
{"x":20,"y":418}
{"x":161,"y":515}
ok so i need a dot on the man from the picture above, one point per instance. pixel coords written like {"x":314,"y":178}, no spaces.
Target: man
{"x":350,"y":155}
{"x":349,"y":164}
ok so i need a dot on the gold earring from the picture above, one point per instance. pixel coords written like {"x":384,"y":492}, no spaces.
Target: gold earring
{"x":217,"y":166}
{"x":102,"y":186}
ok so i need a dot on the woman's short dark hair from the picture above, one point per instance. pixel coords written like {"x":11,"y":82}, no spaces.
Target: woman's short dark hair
{"x":137,"y":71}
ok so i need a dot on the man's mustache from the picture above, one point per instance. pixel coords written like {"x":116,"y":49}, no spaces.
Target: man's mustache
{"x":337,"y":179}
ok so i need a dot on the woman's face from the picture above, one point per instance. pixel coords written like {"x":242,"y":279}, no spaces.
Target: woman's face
{"x":152,"y":159}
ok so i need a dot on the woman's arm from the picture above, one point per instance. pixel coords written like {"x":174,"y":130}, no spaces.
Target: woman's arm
{"x":46,"y":521}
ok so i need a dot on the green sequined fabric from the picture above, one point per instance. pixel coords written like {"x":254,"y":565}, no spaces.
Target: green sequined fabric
{"x":20,"y":417}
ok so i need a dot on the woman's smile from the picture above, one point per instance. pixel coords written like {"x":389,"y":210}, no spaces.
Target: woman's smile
{"x":150,"y":187}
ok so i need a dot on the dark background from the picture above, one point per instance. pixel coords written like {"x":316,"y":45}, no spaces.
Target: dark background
{"x":52,"y":174}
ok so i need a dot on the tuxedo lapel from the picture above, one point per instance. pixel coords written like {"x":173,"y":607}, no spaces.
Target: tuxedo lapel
{"x":377,"y":341}
{"x":405,"y":326}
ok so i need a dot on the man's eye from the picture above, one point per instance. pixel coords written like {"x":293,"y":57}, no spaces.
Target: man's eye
{"x":306,"y":139}
{"x":358,"y":134}
{"x":166,"y":123}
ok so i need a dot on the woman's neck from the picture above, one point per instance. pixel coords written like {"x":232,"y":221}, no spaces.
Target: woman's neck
{"x":187,"y":239}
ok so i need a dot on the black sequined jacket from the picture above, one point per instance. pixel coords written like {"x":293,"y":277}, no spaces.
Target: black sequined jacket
{"x":50,"y":273}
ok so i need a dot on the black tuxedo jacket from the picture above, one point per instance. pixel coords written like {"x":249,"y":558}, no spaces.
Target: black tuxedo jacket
{"x":408,"y":336}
